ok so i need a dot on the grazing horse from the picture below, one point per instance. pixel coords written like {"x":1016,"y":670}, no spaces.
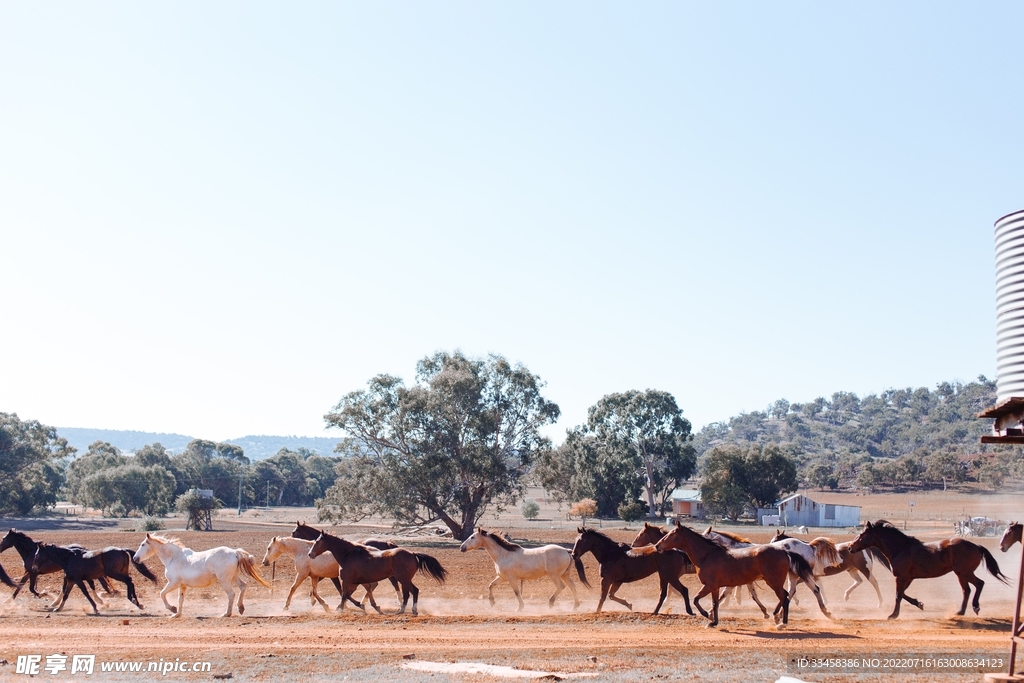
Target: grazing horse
{"x":26,"y":548}
{"x":308,"y":533}
{"x":719,"y":567}
{"x":514,"y":563}
{"x":911,"y":559}
{"x":80,"y":567}
{"x":1010,"y":536}
{"x":361,"y":564}
{"x":854,"y":563}
{"x":186,"y":568}
{"x":617,"y":567}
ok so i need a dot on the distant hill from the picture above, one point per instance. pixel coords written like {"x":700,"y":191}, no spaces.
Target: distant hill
{"x":255,"y":447}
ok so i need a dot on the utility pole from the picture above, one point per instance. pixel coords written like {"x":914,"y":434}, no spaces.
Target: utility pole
{"x":239,"y":494}
{"x":268,"y":496}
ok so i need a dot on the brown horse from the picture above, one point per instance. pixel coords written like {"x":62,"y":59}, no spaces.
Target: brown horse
{"x":27,"y":548}
{"x":911,"y":559}
{"x":80,"y":567}
{"x":362,"y":564}
{"x":718,"y":567}
{"x":618,"y":567}
{"x":853,"y":563}
{"x":308,"y":533}
{"x":1010,"y":536}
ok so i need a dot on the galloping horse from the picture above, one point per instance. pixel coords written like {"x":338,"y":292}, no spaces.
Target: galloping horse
{"x":323,"y":567}
{"x":26,"y":548}
{"x":362,"y":564}
{"x":617,"y":567}
{"x":719,"y":567}
{"x":514,"y":563}
{"x":1010,"y":536}
{"x":80,"y":567}
{"x":186,"y":568}
{"x":854,"y":563}
{"x":308,"y":533}
{"x":911,"y":559}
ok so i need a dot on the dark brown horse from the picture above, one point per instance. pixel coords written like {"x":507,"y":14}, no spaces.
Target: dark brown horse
{"x":26,"y":548}
{"x":361,"y":564}
{"x":1010,"y":536}
{"x":308,"y":533}
{"x":853,"y":563}
{"x":80,"y":567}
{"x":618,"y":567}
{"x":911,"y":559}
{"x":719,"y":567}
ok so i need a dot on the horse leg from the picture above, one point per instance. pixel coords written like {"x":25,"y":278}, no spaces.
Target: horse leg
{"x":415,"y":597}
{"x":163,"y":596}
{"x":559,"y":587}
{"x":314,"y":594}
{"x":612,"y":596}
{"x":107,"y":588}
{"x":181,"y":602}
{"x":65,"y":591}
{"x":714,"y":609}
{"x":794,"y":581}
{"x":977,"y":593}
{"x":32,"y":577}
{"x":678,"y":585}
{"x":605,"y":585}
{"x":299,"y":578}
{"x":21,"y":584}
{"x":878,"y":591}
{"x":394,"y":584}
{"x":490,"y":588}
{"x":405,"y":596}
{"x":369,"y":596}
{"x":132,"y":596}
{"x":519,"y":595}
{"x":229,"y":589}
{"x":856,"y":582}
{"x":664,"y":592}
{"x":783,"y":595}
{"x":242,"y":585}
{"x":572,"y":587}
{"x":81,"y":587}
{"x":696,"y":600}
{"x":753,"y":595}
{"x":901,"y":587}
{"x":96,"y":593}
{"x":817,"y":593}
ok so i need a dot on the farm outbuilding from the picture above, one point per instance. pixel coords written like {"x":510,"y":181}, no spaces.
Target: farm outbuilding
{"x":686,"y":503}
{"x":799,"y":510}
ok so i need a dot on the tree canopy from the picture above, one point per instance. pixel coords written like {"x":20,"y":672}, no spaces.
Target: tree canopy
{"x":448,"y":448}
{"x":32,"y":460}
{"x":738,"y":478}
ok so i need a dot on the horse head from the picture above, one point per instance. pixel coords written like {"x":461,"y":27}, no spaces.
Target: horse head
{"x":1010,"y":536}
{"x":319,"y":546}
{"x":474,"y":542}
{"x":273,"y":547}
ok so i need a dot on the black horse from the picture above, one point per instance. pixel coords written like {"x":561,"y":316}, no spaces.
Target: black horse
{"x":26,"y":547}
{"x":80,"y":567}
{"x":308,"y":533}
{"x":617,"y":567}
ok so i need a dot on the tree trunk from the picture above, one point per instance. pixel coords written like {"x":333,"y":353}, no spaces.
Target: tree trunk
{"x":459,"y":533}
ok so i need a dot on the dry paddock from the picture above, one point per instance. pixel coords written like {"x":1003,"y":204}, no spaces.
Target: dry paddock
{"x":456,"y":624}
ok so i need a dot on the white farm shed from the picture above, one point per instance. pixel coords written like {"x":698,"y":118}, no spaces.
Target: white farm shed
{"x":799,"y":510}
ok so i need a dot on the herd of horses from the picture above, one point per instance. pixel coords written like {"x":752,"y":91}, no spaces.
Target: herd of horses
{"x":723,"y":562}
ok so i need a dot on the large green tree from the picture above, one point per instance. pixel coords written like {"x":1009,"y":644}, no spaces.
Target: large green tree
{"x":32,"y":460}
{"x":447,"y":448}
{"x":736,"y":478}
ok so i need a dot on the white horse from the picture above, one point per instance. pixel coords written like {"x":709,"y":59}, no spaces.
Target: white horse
{"x":514,"y":564}
{"x":185,"y":568}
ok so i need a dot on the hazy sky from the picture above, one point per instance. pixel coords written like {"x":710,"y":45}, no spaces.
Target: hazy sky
{"x":217,"y":218}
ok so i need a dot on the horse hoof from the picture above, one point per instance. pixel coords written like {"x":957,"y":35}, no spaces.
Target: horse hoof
{"x":174,"y":610}
{"x":893,"y":616}
{"x":977,"y":609}
{"x":920,"y":606}
{"x":629,"y":607}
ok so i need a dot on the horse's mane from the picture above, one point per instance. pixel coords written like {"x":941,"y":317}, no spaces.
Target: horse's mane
{"x":892,"y":529}
{"x":781,"y":535}
{"x":167,"y":539}
{"x":507,"y":545}
{"x":735,"y":537}
{"x":606,"y":537}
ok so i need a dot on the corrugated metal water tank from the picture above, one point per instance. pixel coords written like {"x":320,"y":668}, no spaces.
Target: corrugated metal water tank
{"x":1010,"y":306}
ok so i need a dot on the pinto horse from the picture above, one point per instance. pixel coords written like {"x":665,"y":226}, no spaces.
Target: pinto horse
{"x":308,"y":533}
{"x":514,"y":563}
{"x":361,"y":564}
{"x":1010,"y":536}
{"x":26,"y":548}
{"x":855,"y":564}
{"x":80,"y":567}
{"x":617,"y":567}
{"x":911,"y":559}
{"x":719,"y":567}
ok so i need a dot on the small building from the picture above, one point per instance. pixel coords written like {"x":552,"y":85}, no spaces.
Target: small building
{"x":768,"y":516}
{"x":799,"y":510}
{"x":686,"y":503}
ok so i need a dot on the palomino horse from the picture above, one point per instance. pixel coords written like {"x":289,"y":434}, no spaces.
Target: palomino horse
{"x":1010,"y":536}
{"x":514,"y":563}
{"x":186,"y":568}
{"x":911,"y":559}
{"x":308,"y":533}
{"x":719,"y":567}
{"x":26,"y":548}
{"x":80,"y":567}
{"x":361,"y":564}
{"x":323,"y":567}
{"x":854,"y":563}
{"x":617,"y":567}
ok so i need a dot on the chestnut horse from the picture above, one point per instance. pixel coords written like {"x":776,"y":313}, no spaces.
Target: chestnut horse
{"x":361,"y":564}
{"x":617,"y":567}
{"x":719,"y":567}
{"x":1010,"y":536}
{"x":911,"y":559}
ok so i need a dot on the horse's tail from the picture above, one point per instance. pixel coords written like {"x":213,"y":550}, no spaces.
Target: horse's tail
{"x":825,"y":552}
{"x":143,"y":569}
{"x":429,"y":565}
{"x":642,"y":550}
{"x":879,"y":556}
{"x":801,"y":567}
{"x":247,"y":563}
{"x":6,"y":580}
{"x":579,"y":571}
{"x":992,"y":565}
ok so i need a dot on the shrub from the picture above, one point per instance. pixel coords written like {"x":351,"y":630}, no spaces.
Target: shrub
{"x":583,"y":509}
{"x":631,"y":512}
{"x":118,"y":510}
{"x":151,"y":524}
{"x":530,"y":508}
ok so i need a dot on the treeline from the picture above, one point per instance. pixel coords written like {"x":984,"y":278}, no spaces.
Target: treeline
{"x":898,"y":438}
{"x":38,"y":467}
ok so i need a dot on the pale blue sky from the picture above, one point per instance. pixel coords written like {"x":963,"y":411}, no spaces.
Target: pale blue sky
{"x":217,"y":218}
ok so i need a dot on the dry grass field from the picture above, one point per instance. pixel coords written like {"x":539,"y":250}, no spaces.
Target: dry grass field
{"x":457,"y":624}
